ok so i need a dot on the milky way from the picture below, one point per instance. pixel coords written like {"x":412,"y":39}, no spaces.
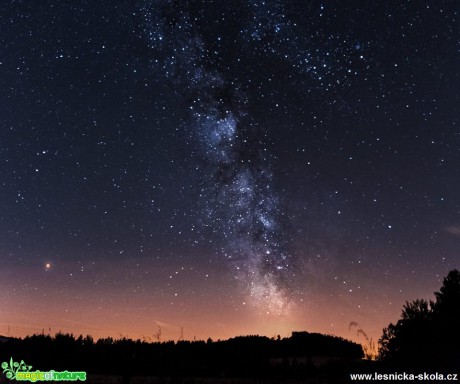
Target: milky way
{"x":241,"y":204}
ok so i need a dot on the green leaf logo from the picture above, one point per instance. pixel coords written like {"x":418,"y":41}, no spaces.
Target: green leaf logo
{"x":13,"y":367}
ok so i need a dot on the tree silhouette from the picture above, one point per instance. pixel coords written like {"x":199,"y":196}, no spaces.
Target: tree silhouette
{"x":448,"y":297}
{"x":446,"y":318}
{"x":428,"y":333}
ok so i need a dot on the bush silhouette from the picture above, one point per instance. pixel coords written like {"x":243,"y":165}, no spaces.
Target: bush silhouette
{"x":428,"y":333}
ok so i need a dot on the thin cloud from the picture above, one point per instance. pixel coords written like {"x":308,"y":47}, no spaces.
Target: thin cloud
{"x":453,"y":230}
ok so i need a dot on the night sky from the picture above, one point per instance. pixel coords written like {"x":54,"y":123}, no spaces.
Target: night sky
{"x":220,"y":168}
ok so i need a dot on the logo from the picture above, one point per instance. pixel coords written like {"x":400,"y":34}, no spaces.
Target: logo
{"x":22,"y":372}
{"x":13,"y":368}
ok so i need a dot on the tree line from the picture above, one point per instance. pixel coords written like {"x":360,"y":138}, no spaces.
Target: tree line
{"x":244,"y":356}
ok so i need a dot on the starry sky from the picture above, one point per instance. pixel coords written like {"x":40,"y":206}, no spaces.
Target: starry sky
{"x":219,"y":168}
